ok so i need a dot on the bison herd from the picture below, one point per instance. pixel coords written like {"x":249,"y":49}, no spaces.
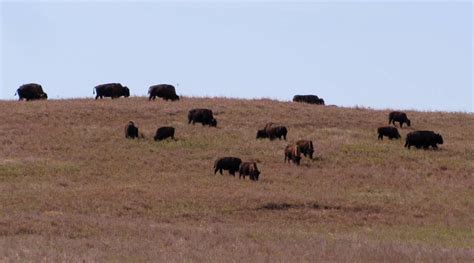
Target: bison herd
{"x":292,"y":152}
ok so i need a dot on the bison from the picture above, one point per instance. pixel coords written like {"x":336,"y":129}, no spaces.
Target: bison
{"x":113,"y":90}
{"x":423,"y":139}
{"x":275,"y":131}
{"x":131,"y":131}
{"x":31,"y":91}
{"x":306,"y":148}
{"x":293,"y":153}
{"x":311,"y":99}
{"x":165,"y":91}
{"x":163,"y":133}
{"x":231,"y":164}
{"x":204,"y":116}
{"x":400,"y":117}
{"x":250,"y":169}
{"x":389,"y":131}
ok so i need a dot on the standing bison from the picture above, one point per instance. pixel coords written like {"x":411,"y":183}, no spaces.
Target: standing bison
{"x":165,"y":91}
{"x":306,"y":148}
{"x":423,"y":139}
{"x":204,"y":116}
{"x":389,"y":131}
{"x":293,"y":153}
{"x":163,"y":133}
{"x":231,"y":164}
{"x":131,"y":131}
{"x":31,"y":91}
{"x":311,"y":99}
{"x":113,"y":90}
{"x":400,"y":117}
{"x":275,"y":131}
{"x":261,"y":134}
{"x":250,"y":169}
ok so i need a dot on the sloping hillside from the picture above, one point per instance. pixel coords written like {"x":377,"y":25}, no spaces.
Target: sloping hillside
{"x":71,"y":186}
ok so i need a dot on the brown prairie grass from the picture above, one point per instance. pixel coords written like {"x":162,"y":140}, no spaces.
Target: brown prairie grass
{"x":72,"y":188}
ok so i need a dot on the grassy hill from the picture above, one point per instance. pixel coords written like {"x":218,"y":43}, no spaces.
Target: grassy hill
{"x":71,"y":186}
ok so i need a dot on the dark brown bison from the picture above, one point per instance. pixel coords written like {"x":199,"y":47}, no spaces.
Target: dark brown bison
{"x":261,"y":134}
{"x":204,"y":116}
{"x":400,"y":117}
{"x":165,"y":91}
{"x":131,"y":131}
{"x":250,"y":169}
{"x":423,"y":139}
{"x":231,"y":164}
{"x":311,"y":99}
{"x":163,"y":133}
{"x":275,"y":131}
{"x":389,"y":131}
{"x":293,"y":153}
{"x":31,"y":91}
{"x":306,"y":148}
{"x":113,"y":90}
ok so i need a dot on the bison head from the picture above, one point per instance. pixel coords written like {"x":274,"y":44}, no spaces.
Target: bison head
{"x":213,"y":123}
{"x":261,"y":134}
{"x":439,"y":139}
{"x":175,"y":97}
{"x":126,"y":92}
{"x":44,"y":96}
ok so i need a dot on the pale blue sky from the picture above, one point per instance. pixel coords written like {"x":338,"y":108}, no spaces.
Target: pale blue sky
{"x":403,"y":55}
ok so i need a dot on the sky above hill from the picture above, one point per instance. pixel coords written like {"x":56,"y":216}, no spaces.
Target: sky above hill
{"x":402,"y":55}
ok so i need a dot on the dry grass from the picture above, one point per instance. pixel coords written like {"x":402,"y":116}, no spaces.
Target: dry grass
{"x":72,"y":188}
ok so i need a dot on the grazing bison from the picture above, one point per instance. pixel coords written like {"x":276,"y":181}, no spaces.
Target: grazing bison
{"x":293,"y":153}
{"x":275,"y":131}
{"x":165,"y":91}
{"x":400,"y":117}
{"x":131,"y":131}
{"x":389,"y":131}
{"x":113,"y":90}
{"x":261,"y":134}
{"x":250,"y":169}
{"x":231,"y":164}
{"x":423,"y":139}
{"x":306,"y":147}
{"x":31,"y":91}
{"x":163,"y":133}
{"x":204,"y":116}
{"x":311,"y":99}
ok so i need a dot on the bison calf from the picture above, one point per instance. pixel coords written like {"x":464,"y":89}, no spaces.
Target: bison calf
{"x":131,"y":131}
{"x":306,"y":147}
{"x":293,"y":153}
{"x":250,"y":169}
{"x":400,"y":117}
{"x":231,"y":164}
{"x":390,"y":132}
{"x":163,"y":133}
{"x":423,"y":139}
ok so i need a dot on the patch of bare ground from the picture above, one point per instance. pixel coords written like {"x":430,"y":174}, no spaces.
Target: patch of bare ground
{"x":72,"y":188}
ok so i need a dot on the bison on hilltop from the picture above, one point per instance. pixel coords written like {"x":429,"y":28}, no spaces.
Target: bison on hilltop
{"x":204,"y":116}
{"x":275,"y":131}
{"x":165,"y":91}
{"x":31,"y":91}
{"x":113,"y":90}
{"x":311,"y":99}
{"x":400,"y":117}
{"x":163,"y":133}
{"x":231,"y":164}
{"x":389,"y":131}
{"x":250,"y":169}
{"x":293,"y":153}
{"x":306,"y":148}
{"x":423,"y":139}
{"x":131,"y":131}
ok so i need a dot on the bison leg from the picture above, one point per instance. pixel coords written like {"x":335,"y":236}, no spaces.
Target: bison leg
{"x":232,"y":172}
{"x":284,"y":137}
{"x":380,"y":137}
{"x":220,"y":171}
{"x":215,"y":171}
